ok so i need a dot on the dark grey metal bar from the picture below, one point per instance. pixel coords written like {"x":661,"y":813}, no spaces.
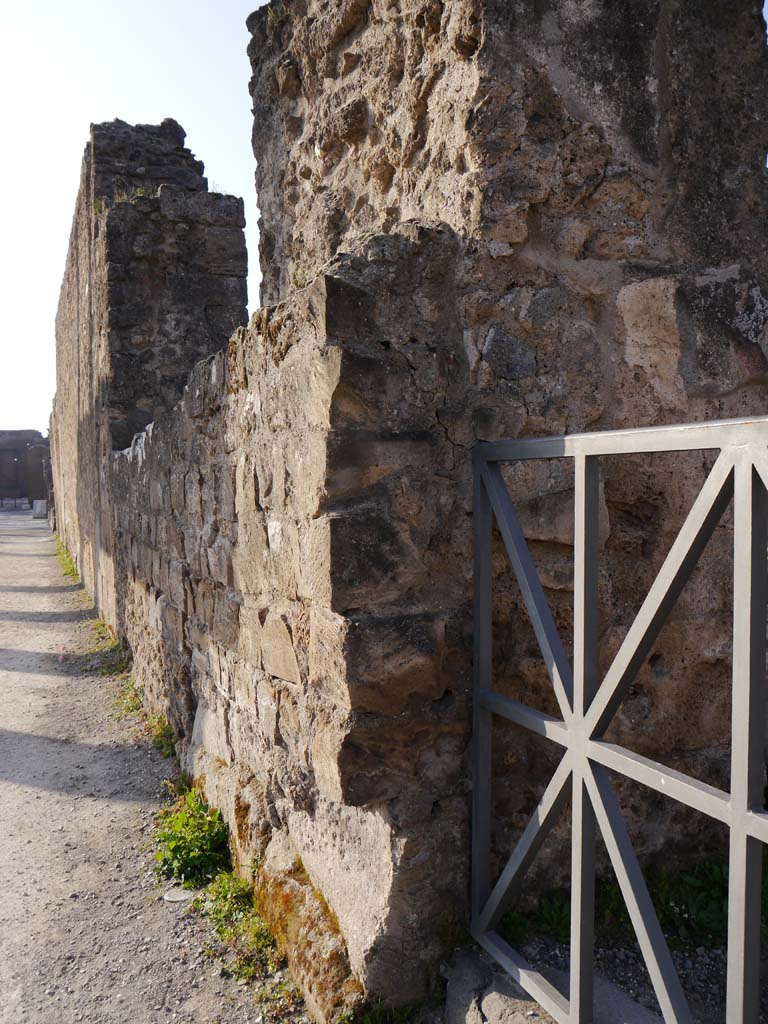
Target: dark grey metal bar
{"x":543,"y":820}
{"x":537,"y":721}
{"x":542,"y":990}
{"x":677,"y":438}
{"x":698,"y":795}
{"x":482,"y":725}
{"x":530,"y":587}
{"x":650,"y":937}
{"x":585,"y":631}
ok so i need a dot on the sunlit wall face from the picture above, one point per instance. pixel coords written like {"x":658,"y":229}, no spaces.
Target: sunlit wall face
{"x":63,"y":66}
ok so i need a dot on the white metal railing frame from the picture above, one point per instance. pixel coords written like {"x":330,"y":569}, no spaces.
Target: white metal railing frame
{"x":587,"y":706}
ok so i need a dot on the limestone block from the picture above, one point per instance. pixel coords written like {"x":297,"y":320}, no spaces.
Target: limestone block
{"x":249,"y":559}
{"x":267,"y":698}
{"x":225,"y":490}
{"x":219,"y":558}
{"x":347,"y":853}
{"x":192,"y":494}
{"x":277,"y":649}
{"x":209,"y":741}
{"x":158,"y":495}
{"x":316,"y":952}
{"x":177,"y":583}
{"x":250,"y":634}
{"x":374,"y":558}
{"x":648,"y":311}
{"x":226,"y":617}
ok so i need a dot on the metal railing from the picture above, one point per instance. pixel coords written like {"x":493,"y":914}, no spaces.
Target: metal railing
{"x":588,"y":704}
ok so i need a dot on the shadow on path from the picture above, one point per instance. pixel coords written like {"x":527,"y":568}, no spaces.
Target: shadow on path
{"x":67,"y":589}
{"x":47,"y":663}
{"x":76,"y":615}
{"x":60,"y":765}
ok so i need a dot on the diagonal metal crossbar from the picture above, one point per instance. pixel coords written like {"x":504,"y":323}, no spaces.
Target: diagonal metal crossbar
{"x":587,"y":706}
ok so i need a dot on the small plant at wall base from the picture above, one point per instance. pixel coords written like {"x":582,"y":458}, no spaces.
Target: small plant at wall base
{"x":129,"y":703}
{"x":113,"y":658}
{"x":377,"y":1013}
{"x":160,"y":731}
{"x":129,"y":699}
{"x":228,"y":904}
{"x":192,"y":842}
{"x":68,"y":567}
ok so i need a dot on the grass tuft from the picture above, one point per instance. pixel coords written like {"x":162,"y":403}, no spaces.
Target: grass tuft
{"x":113,"y":659}
{"x":68,"y":567}
{"x":228,"y":904}
{"x":129,"y":699}
{"x":160,"y":732}
{"x":377,"y":1013}
{"x":129,"y":703}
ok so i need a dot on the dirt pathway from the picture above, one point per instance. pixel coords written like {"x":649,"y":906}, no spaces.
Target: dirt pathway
{"x":84,"y":932}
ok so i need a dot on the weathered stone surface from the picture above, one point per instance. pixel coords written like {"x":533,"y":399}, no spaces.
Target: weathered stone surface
{"x":306,"y":931}
{"x":590,"y":262}
{"x":479,"y":220}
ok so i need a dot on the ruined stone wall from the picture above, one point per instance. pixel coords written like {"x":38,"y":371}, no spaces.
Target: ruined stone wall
{"x":154,"y":281}
{"x":479,"y":219}
{"x":21,"y":457}
{"x":268,"y":536}
{"x":600,"y":186}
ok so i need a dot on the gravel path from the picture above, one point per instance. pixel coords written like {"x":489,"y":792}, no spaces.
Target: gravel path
{"x":84,"y":932}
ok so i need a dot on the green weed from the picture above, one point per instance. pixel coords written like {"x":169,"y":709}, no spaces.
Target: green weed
{"x":113,"y":659}
{"x":98,"y":206}
{"x":160,"y":731}
{"x":378,"y":1013}
{"x":228,"y":904}
{"x":277,"y":13}
{"x":68,"y":567}
{"x":129,"y":699}
{"x":179,"y":786}
{"x":192,"y":841}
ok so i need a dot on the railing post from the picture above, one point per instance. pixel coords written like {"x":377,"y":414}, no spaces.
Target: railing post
{"x":585,"y":681}
{"x":482,"y":525}
{"x":747,"y":740}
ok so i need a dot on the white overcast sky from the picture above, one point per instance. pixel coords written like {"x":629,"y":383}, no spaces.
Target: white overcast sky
{"x":64,"y":65}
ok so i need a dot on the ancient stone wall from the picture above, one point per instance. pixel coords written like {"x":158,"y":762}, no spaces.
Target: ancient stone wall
{"x":155,"y":281}
{"x":604,"y":214}
{"x":269,"y":529}
{"x":480,"y":219}
{"x":21,"y":464}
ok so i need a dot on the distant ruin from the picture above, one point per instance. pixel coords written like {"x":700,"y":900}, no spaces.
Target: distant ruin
{"x":22,"y":455}
{"x":479,"y":219}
